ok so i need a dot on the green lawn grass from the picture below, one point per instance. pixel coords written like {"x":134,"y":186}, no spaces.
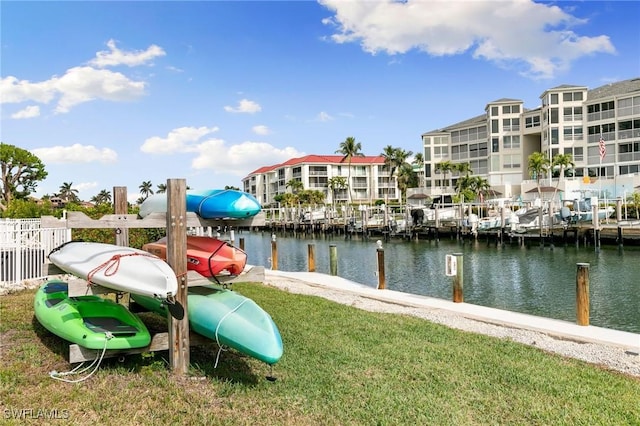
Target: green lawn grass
{"x":341,"y":366}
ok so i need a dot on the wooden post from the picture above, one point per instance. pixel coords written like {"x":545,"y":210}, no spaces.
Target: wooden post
{"x":582,"y":294}
{"x":312,"y":257}
{"x":177,"y":258}
{"x":274,"y":253}
{"x":241,"y":243}
{"x":333,"y":259}
{"x":121,"y":207}
{"x":458,"y":280}
{"x":382,"y":282}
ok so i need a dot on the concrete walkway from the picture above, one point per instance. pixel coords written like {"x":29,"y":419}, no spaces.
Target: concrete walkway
{"x":552,"y":327}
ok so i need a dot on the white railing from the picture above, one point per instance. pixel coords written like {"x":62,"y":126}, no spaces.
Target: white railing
{"x":24,"y":246}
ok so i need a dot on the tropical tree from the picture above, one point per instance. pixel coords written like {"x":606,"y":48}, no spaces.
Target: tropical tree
{"x":445,"y":167}
{"x":562,"y":161}
{"x":418,"y":160}
{"x":231,"y":187}
{"x":103,"y":197}
{"x":311,"y":196}
{"x":407,"y":178}
{"x":349,"y":148}
{"x":67,"y":192}
{"x":635,"y":200}
{"x":463,"y":168}
{"x":336,"y":183}
{"x":295,"y":185}
{"x":20,"y":173}
{"x":145,"y":189}
{"x":162,"y":188}
{"x":538,"y":166}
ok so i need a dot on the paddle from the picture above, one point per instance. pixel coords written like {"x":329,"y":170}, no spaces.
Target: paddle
{"x":175,"y":308}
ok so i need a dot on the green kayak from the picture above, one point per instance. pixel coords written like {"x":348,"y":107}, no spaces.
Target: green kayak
{"x":228,"y":318}
{"x":88,"y":321}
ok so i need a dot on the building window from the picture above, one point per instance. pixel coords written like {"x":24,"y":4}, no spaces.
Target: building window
{"x":627,"y":170}
{"x":629,"y":106}
{"x":572,"y":133}
{"x":629,"y":129}
{"x":511,"y":161}
{"x":511,"y":124}
{"x":440,"y":152}
{"x":494,"y":111}
{"x":511,"y":142}
{"x":495,"y":145}
{"x":495,"y":126}
{"x":554,"y":114}
{"x":554,"y":136}
{"x":532,"y":122}
{"x":572,"y":96}
{"x":629,"y":151}
{"x":554,"y":99}
{"x":426,"y":140}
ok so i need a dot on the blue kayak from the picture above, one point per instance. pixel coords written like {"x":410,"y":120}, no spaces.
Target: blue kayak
{"x":228,"y":318}
{"x":208,"y":204}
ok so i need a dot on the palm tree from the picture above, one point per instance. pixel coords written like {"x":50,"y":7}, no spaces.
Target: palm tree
{"x":67,"y":192}
{"x":445,"y":167}
{"x":145,"y":189}
{"x":406,"y":178}
{"x":162,"y":188}
{"x":103,"y":197}
{"x":336,"y":183}
{"x":564,"y":161}
{"x":349,"y":148}
{"x":538,"y":165}
{"x":418,"y":160}
{"x":295,"y":185}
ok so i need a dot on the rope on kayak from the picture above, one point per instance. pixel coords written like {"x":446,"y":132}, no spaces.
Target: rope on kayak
{"x":220,"y":347}
{"x":112,"y":265}
{"x":95,"y":364}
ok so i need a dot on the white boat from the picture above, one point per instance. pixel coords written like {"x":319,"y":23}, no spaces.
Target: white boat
{"x":123,"y":269}
{"x":583,"y":212}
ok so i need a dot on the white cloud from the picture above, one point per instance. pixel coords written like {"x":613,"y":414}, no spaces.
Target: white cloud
{"x":28,"y":112}
{"x":537,"y":38}
{"x":85,"y":186}
{"x":15,"y":91}
{"x":115,"y":56}
{"x":323,"y":116}
{"x":82,"y":84}
{"x":261,"y":130}
{"x":183,"y":139}
{"x":75,"y":153}
{"x":245,"y":106}
{"x":240,"y":159}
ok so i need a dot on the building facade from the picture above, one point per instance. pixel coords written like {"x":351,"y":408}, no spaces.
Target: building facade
{"x":600,"y":128}
{"x":368,"y":179}
{"x":571,"y":120}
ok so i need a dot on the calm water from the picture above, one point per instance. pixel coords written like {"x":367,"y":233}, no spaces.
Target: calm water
{"x":537,"y":281}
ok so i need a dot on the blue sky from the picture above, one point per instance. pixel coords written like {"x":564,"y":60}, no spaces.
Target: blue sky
{"x":116,"y":93}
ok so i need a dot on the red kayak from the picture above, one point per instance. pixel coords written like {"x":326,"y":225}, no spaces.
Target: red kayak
{"x":206,"y":255}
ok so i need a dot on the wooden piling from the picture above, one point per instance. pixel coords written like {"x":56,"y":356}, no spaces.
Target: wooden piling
{"x":333,"y":259}
{"x":311,"y":249}
{"x":177,"y":258}
{"x":241,"y":243}
{"x":382,"y":281}
{"x":458,"y":280}
{"x":274,"y":253}
{"x":582,"y":294}
{"x":121,"y":207}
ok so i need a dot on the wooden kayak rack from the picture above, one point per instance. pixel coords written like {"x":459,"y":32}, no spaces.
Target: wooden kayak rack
{"x":176,"y":220}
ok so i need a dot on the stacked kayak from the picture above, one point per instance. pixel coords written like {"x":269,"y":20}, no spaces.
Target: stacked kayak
{"x":89,"y":321}
{"x":205,"y":255}
{"x":119,"y":268}
{"x":208,"y":204}
{"x":228,"y":318}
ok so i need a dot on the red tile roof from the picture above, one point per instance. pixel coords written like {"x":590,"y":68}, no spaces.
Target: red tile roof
{"x":322,"y":159}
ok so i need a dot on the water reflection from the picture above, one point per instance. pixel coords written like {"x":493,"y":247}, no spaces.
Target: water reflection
{"x":528,"y":280}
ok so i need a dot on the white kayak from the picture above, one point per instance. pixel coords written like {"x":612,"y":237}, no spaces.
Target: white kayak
{"x":119,"y":268}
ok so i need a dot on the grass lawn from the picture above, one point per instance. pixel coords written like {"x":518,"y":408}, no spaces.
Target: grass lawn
{"x":341,"y":366}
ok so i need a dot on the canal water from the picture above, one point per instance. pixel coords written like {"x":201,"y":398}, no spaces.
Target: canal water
{"x":531,"y":280}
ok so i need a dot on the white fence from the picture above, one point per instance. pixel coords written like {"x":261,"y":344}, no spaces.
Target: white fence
{"x":24,"y":247}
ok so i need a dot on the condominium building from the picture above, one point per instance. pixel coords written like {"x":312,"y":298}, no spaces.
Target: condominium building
{"x":600,"y":128}
{"x":367,"y":178}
